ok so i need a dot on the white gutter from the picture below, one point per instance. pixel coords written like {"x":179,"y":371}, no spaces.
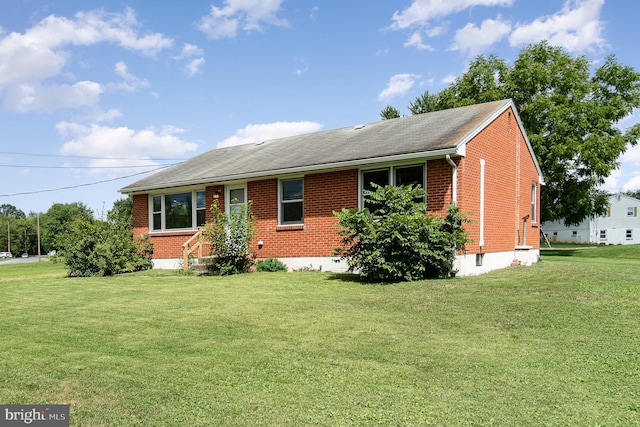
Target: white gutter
{"x":434,"y":154}
{"x":454,"y":180}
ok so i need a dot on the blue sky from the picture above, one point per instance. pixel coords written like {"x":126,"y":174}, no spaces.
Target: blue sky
{"x":95,"y":93}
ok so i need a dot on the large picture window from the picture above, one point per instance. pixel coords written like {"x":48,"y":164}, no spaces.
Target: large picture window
{"x":292,"y":201}
{"x":177,"y":211}
{"x":396,"y":175}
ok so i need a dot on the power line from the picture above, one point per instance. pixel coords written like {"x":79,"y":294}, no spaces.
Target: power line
{"x":83,"y":167}
{"x":15,"y":153}
{"x":24,"y":193}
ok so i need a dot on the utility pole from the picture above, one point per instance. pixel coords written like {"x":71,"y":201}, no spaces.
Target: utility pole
{"x":8,"y":236}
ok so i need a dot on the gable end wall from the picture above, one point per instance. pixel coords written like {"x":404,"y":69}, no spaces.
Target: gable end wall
{"x":509,"y":172}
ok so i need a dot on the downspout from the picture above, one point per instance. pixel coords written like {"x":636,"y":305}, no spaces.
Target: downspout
{"x":454,"y":180}
{"x":482,"y":165}
{"x":454,"y":201}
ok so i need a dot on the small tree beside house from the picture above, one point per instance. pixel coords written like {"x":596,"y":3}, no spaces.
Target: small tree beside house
{"x":229,"y":236}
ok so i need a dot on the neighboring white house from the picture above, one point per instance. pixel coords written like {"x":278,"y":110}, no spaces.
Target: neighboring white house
{"x":620,"y":226}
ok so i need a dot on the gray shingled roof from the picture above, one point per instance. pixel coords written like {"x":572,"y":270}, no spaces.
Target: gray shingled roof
{"x":422,"y":134}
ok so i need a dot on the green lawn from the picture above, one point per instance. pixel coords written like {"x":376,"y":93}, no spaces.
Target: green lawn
{"x":553,"y":344}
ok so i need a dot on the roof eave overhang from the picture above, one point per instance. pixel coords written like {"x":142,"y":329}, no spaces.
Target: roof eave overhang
{"x":510,"y":104}
{"x":458,"y":151}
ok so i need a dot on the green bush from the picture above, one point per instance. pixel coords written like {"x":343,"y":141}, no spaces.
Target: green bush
{"x":229,"y":237}
{"x":271,"y":264}
{"x":398,"y":241}
{"x":103,"y":248}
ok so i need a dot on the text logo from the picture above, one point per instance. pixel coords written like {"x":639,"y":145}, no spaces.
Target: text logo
{"x":34,"y":415}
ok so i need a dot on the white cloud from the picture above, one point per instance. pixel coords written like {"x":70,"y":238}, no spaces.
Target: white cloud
{"x":264,"y":132}
{"x":48,"y":98}
{"x":301,"y":67}
{"x":632,"y":156}
{"x":437,"y":31}
{"x":300,"y":71}
{"x":449,"y":78}
{"x":632,"y":185}
{"x":611,"y":183}
{"x":416,"y":41}
{"x":577,"y":27}
{"x":398,"y":84}
{"x":248,"y":15}
{"x":420,"y":12}
{"x":192,"y":55}
{"x":474,"y":40}
{"x":131,"y":83}
{"x":194,"y":67}
{"x":190,"y":50}
{"x":118,"y":142}
{"x":29,"y":59}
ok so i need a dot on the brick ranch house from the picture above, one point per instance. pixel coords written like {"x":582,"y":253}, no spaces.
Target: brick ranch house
{"x":476,"y":156}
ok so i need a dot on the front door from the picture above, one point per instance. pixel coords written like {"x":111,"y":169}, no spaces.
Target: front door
{"x":236,"y":198}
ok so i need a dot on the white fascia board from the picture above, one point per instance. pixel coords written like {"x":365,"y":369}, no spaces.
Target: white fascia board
{"x":463,"y":142}
{"x":458,"y":151}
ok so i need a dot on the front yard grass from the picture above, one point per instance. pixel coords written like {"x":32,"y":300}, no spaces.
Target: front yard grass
{"x":552,"y":344}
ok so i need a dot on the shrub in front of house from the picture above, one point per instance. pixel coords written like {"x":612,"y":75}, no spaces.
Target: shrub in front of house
{"x":103,"y":248}
{"x":229,"y":236}
{"x":271,"y":264}
{"x":393,"y":239}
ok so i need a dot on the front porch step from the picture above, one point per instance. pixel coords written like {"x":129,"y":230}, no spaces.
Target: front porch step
{"x":199,"y":269}
{"x":199,"y":266}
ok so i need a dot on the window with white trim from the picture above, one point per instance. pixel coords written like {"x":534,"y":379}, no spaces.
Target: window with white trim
{"x":236,"y":198}
{"x":534,"y":202}
{"x":603,"y":234}
{"x":632,"y":211}
{"x":201,"y":208}
{"x":177,"y":211}
{"x":291,"y":196}
{"x":629,"y":234}
{"x":394,"y":175}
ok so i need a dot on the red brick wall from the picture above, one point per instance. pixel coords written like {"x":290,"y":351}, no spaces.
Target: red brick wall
{"x":507,"y":199}
{"x":324,"y":193}
{"x":140,"y":214}
{"x":439,"y":189}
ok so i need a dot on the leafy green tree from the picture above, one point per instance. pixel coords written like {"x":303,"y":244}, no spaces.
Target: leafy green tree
{"x":570,"y":117}
{"x":24,"y":238}
{"x":54,"y":224}
{"x":122,"y":210}
{"x":10,"y":216}
{"x":11,"y":211}
{"x":229,"y":236}
{"x":399,"y":241}
{"x":424,"y":103}
{"x":389,"y":112}
{"x":635,"y":194}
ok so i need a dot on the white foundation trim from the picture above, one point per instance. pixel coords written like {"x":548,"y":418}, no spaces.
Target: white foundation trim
{"x":465,"y":264}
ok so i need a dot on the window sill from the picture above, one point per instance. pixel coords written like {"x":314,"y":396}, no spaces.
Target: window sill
{"x":181,"y":232}
{"x":292,"y":227}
